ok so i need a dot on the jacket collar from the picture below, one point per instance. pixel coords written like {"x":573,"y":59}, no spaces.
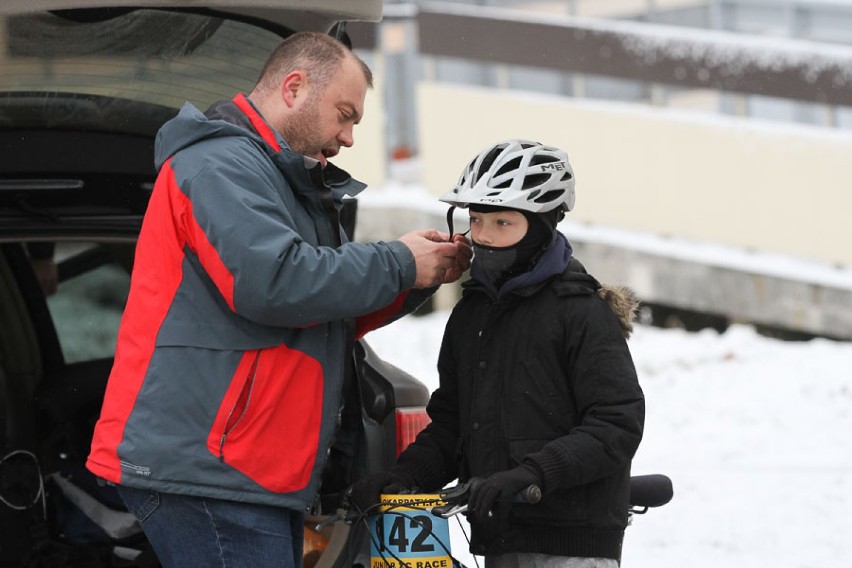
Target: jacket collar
{"x":241,"y":112}
{"x":257,"y":122}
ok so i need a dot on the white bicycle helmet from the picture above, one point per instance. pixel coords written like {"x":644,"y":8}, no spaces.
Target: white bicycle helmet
{"x":517,"y":174}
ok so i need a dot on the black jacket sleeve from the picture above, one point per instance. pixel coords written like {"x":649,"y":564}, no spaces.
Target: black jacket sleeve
{"x":432,"y":460}
{"x":609,"y":401}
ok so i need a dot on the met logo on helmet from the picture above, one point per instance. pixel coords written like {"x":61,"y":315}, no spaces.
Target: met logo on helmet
{"x":556,"y":166}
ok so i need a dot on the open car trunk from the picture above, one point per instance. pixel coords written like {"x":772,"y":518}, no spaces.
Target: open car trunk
{"x":83,"y":92}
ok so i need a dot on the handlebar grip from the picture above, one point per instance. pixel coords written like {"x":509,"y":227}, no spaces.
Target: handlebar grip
{"x":531,"y":494}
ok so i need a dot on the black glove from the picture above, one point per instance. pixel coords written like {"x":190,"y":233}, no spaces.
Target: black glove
{"x":493,"y":496}
{"x":366,"y":491}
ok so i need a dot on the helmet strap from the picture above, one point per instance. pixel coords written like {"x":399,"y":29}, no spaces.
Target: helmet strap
{"x":450,"y":220}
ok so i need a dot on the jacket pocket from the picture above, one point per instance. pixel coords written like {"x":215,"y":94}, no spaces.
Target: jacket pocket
{"x":538,"y":405}
{"x":268,"y":423}
{"x":238,"y":409}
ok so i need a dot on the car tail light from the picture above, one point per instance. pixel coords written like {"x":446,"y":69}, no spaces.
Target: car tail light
{"x":409,"y":422}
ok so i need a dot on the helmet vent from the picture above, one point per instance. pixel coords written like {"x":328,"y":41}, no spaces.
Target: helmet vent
{"x":535,"y":180}
{"x":566,"y":176}
{"x":509,"y":166}
{"x":549,"y":196}
{"x":539,"y":159}
{"x":486,"y":162}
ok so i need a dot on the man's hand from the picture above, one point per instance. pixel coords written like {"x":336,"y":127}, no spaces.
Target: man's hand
{"x":462,"y":260}
{"x":437,"y":259}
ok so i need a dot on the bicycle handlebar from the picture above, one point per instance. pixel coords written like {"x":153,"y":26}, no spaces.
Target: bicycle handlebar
{"x":646,"y":491}
{"x":456,"y":498}
{"x":653,"y":490}
{"x":531,"y":494}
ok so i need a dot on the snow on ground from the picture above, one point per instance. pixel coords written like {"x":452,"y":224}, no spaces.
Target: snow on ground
{"x":754,"y":432}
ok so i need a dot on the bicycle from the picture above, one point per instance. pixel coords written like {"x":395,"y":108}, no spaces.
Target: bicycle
{"x":427,"y":516}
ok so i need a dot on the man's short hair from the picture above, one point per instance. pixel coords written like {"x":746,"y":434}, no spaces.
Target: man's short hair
{"x":320,"y":55}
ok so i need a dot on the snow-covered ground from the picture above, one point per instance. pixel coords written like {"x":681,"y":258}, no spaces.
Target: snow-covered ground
{"x":755,"y":433}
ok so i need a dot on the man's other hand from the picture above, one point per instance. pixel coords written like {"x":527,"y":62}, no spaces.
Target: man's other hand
{"x":438,"y":260}
{"x":461,"y":263}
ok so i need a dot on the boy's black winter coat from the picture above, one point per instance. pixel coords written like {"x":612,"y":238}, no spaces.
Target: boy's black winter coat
{"x":543,"y":375}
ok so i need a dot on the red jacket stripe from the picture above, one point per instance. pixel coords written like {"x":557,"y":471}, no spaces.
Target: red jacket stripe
{"x":257,"y":122}
{"x":163,"y":250}
{"x":377,"y":319}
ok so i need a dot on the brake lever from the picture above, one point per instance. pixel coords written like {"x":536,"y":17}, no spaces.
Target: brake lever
{"x":455,"y":499}
{"x":447,"y":511}
{"x":455,"y":493}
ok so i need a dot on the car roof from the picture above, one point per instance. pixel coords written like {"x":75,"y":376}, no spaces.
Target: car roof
{"x":84,"y":91}
{"x":298,"y":15}
{"x":159,"y":52}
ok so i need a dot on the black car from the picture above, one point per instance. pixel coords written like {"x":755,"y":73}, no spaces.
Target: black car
{"x":82,"y":95}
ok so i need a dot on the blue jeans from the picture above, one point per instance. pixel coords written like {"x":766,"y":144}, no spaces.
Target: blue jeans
{"x":188,"y":532}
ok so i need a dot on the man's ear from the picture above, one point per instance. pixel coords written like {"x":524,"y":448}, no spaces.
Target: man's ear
{"x":294,"y":86}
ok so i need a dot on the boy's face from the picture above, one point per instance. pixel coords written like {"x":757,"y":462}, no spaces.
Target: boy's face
{"x":497,"y":229}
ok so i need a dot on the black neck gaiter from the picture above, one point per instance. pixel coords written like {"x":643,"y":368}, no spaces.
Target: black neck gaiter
{"x":498,"y":264}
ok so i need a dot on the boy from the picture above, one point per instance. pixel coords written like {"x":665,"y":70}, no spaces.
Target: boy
{"x":537,"y":385}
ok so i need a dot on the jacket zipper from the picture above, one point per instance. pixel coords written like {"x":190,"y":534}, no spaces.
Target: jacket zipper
{"x":241,"y":405}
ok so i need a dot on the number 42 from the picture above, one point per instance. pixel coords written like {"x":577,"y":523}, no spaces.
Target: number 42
{"x":397,"y":536}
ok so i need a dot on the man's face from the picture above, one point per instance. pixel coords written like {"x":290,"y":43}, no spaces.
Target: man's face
{"x":325,"y":120}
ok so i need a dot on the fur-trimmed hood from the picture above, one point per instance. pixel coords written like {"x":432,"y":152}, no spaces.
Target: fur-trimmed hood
{"x":558,"y":259}
{"x":623,"y":303}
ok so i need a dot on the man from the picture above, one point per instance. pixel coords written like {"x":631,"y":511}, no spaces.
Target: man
{"x":244,"y":303}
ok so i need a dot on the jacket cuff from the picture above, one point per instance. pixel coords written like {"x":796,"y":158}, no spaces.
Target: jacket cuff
{"x":549,"y":465}
{"x":407,"y":265}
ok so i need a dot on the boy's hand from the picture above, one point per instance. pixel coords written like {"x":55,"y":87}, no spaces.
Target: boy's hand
{"x":366,"y":492}
{"x":493,"y":496}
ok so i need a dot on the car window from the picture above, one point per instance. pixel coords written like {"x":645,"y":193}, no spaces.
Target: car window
{"x":149,"y":57}
{"x":87,"y":304}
